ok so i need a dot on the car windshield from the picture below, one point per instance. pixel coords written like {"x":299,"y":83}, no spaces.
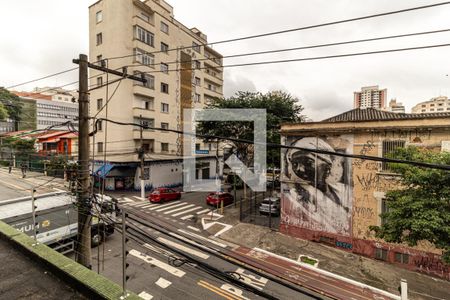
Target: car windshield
{"x":268,"y":200}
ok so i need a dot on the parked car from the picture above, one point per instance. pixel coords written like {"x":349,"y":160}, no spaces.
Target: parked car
{"x":270,"y":205}
{"x":217,"y":197}
{"x":164,"y":194}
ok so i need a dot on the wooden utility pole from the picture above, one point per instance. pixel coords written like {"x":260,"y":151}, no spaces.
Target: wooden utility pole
{"x":83,"y":246}
{"x":141,"y":154}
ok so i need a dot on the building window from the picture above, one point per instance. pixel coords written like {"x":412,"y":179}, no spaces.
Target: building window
{"x":165,"y":68}
{"x":388,"y":148}
{"x":196,"y":47}
{"x":143,"y":57}
{"x":148,"y":104}
{"x":164,"y":125}
{"x":423,"y":105}
{"x":150,"y":80}
{"x":164,"y":47}
{"x":100,"y":125}
{"x":164,"y":27}
{"x":197,"y":81}
{"x":164,"y":107}
{"x":144,"y":36}
{"x":145,"y":17}
{"x":197,"y":98}
{"x":164,"y":88}
{"x":440,"y":109}
{"x":432,"y":104}
{"x":197,"y":64}
{"x":99,"y":81}
{"x":432,"y":109}
{"x":100,"y":147}
{"x":99,"y":16}
{"x":381,"y":254}
{"x":147,"y":123}
{"x":401,"y":258}
{"x":149,"y":146}
{"x":164,"y":147}
{"x":99,"y":59}
{"x":99,"y":38}
{"x":99,"y":104}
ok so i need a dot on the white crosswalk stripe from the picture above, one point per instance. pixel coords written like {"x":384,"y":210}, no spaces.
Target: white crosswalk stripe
{"x":165,"y":205}
{"x":186,"y":217}
{"x":186,"y":211}
{"x":203,"y":211}
{"x":170,"y":207}
{"x":179,"y":208}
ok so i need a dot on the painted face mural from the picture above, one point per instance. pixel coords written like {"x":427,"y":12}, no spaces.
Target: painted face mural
{"x":316,"y":191}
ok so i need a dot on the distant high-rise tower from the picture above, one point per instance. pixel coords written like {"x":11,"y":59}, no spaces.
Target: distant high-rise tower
{"x":370,"y":96}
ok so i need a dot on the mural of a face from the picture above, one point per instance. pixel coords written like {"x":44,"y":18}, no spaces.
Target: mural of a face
{"x":316,"y":188}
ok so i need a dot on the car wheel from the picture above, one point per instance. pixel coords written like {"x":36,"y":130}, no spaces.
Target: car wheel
{"x":96,"y":239}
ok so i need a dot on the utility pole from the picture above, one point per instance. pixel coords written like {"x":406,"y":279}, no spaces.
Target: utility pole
{"x":83,"y":246}
{"x":141,"y":154}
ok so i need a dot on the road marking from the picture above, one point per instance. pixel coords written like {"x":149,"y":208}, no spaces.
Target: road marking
{"x":226,"y":227}
{"x":203,"y":211}
{"x":202,"y":238}
{"x":146,"y":296}
{"x":190,"y":241}
{"x":165,"y":205}
{"x":158,"y":263}
{"x":194,"y":228}
{"x":129,"y":200}
{"x":183,"y":248}
{"x":183,"y":206}
{"x":141,"y":204}
{"x":148,"y":205}
{"x":255,"y":281}
{"x":233,"y":290}
{"x":13,"y":185}
{"x":163,"y":283}
{"x":186,"y":211}
{"x":140,"y":198}
{"x":218,"y":291}
{"x":186,"y":217}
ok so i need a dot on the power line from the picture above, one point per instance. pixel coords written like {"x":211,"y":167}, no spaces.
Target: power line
{"x":308,"y":47}
{"x":298,"y":28}
{"x":308,"y":58}
{"x":41,"y":78}
{"x":274,"y":145}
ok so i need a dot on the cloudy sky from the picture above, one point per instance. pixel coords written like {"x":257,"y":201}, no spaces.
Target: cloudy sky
{"x":42,"y":37}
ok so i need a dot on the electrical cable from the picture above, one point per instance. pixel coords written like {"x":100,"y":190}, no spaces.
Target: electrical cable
{"x":307,"y":47}
{"x":307,"y":58}
{"x":298,"y":28}
{"x":274,"y":145}
{"x":41,"y":78}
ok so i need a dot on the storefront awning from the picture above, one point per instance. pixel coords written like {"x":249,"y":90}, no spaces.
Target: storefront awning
{"x":103,"y":170}
{"x":122,"y":171}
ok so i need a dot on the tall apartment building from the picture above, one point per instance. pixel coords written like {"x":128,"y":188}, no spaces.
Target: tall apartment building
{"x":58,"y":94}
{"x":435,"y":105}
{"x":395,"y":106}
{"x":370,"y":97}
{"x":144,"y":35}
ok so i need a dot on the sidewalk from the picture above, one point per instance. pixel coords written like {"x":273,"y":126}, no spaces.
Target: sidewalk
{"x":371,"y":272}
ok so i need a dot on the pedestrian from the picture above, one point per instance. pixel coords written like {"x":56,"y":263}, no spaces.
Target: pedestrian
{"x":24,"y":167}
{"x":10,"y":166}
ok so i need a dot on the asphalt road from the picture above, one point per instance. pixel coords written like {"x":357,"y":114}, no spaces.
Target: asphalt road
{"x":151,"y":251}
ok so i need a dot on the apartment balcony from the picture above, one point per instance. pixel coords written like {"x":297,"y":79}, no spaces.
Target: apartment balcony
{"x":214,"y":79}
{"x":143,"y":91}
{"x":146,"y":113}
{"x":146,"y":134}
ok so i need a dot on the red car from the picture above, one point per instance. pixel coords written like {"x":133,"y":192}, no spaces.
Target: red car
{"x":217,"y":197}
{"x":163,"y":194}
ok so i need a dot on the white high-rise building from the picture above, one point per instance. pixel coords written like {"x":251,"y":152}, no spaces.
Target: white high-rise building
{"x":370,"y":97}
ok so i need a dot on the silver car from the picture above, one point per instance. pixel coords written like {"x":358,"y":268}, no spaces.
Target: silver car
{"x":270,"y":205}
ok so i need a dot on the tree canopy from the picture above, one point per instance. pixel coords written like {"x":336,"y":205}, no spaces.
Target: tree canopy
{"x":420,"y":209}
{"x":11,"y":103}
{"x":280,"y":107}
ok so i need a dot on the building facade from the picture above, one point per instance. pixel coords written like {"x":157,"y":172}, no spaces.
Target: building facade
{"x":395,"y":106}
{"x":435,"y":105}
{"x":335,"y":199}
{"x":181,"y":72}
{"x":370,"y":97}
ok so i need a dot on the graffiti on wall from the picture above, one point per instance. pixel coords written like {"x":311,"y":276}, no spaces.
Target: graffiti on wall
{"x":317,"y":188}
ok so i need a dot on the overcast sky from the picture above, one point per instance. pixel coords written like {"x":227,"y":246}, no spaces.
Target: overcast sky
{"x":42,"y":37}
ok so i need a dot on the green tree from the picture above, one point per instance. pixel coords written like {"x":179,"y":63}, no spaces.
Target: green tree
{"x":3,"y":112}
{"x":12,"y":104}
{"x":420,"y":209}
{"x":281,"y":107}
